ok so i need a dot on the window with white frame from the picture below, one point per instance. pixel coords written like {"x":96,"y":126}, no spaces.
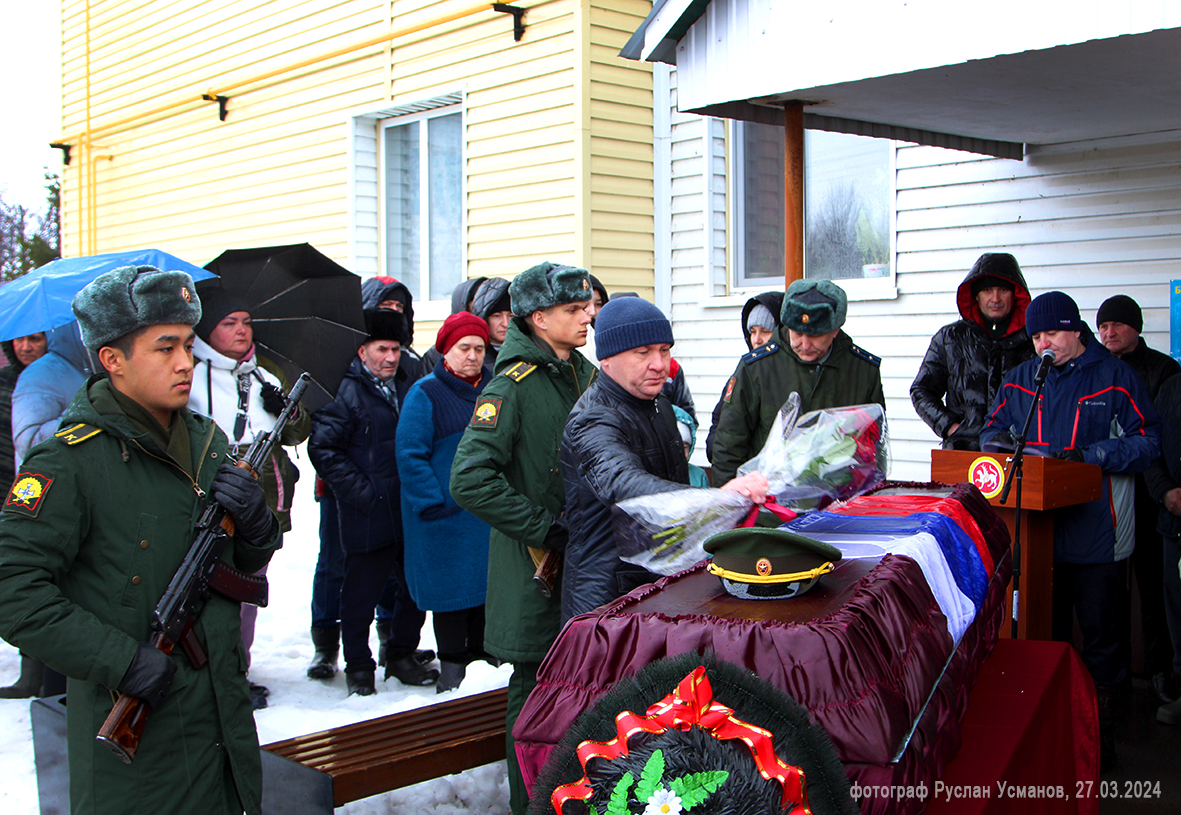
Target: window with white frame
{"x":847,"y":209}
{"x":421,"y":173}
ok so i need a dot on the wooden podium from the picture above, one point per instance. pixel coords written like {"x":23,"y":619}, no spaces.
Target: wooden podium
{"x":1049,"y":484}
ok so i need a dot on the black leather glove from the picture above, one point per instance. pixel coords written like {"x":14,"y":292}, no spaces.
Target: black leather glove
{"x":272,"y":399}
{"x":1070,"y":454}
{"x":242,"y":496}
{"x":557,"y":536}
{"x":149,"y":676}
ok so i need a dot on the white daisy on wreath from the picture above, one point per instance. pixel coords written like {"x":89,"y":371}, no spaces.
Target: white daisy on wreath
{"x":663,"y":802}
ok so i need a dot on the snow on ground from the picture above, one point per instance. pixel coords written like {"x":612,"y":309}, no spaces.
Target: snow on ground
{"x":298,"y":705}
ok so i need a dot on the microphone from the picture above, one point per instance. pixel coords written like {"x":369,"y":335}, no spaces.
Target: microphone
{"x":1044,"y":367}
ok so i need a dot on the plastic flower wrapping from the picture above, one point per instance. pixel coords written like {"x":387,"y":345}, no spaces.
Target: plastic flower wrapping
{"x":809,"y":462}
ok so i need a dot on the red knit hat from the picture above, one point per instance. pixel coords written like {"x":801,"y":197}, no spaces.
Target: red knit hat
{"x":460,"y":325}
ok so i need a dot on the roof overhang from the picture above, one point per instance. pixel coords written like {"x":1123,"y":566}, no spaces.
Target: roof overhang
{"x":983,"y":83}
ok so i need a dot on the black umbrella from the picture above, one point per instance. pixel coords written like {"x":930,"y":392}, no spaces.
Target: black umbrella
{"x":305,"y":309}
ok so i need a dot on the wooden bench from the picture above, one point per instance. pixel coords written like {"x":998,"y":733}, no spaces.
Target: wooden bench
{"x":314,"y":773}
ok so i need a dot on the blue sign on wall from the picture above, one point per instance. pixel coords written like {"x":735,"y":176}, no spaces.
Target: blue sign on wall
{"x":1175,"y":318}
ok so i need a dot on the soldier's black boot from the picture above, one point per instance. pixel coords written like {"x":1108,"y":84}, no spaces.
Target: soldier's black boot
{"x":360,"y":682}
{"x":327,"y":644}
{"x":29,"y":684}
{"x":451,"y":674}
{"x":384,"y":629}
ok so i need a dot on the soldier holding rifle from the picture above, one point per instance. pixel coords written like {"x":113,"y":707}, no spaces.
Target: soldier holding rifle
{"x":95,"y":526}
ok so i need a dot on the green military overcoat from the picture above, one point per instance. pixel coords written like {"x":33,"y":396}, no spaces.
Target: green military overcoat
{"x":769,"y":374}
{"x":506,"y":473}
{"x":94,"y":528}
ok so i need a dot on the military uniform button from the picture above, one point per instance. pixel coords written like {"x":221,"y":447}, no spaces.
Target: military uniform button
{"x":135,"y":580}
{"x":143,"y":544}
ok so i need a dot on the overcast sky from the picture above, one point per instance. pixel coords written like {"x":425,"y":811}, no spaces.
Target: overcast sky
{"x":30,"y":50}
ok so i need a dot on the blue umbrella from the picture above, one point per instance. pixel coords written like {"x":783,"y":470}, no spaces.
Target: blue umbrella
{"x":40,"y":300}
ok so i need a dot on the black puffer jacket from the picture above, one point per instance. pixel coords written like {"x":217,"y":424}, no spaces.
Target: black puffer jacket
{"x":1153,"y":367}
{"x":773,"y":300}
{"x":615,"y":447}
{"x":966,"y":365}
{"x":1165,"y":473}
{"x":353,"y":449}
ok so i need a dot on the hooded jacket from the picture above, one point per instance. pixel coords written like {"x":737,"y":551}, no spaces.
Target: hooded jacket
{"x":616,"y":446}
{"x":215,"y":394}
{"x":47,"y":387}
{"x":374,"y":292}
{"x":507,"y":474}
{"x":962,"y":371}
{"x":1097,"y":404}
{"x":773,"y":300}
{"x":768,"y":375}
{"x":489,"y":293}
{"x":80,"y":576}
{"x":353,"y":447}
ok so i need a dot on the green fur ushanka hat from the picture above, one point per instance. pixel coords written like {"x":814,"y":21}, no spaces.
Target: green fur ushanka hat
{"x":814,"y":307}
{"x":122,"y":300}
{"x":547,"y":285}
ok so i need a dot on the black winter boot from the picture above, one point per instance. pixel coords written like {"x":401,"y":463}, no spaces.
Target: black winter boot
{"x":451,"y":674}
{"x":384,"y":629}
{"x":29,"y":684}
{"x":327,"y":643}
{"x":360,"y":682}
{"x":409,"y":671}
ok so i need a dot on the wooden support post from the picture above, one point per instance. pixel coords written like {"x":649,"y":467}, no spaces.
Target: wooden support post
{"x":793,"y":181}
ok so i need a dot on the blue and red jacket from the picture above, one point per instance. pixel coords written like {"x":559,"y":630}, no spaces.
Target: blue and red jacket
{"x":1097,"y":404}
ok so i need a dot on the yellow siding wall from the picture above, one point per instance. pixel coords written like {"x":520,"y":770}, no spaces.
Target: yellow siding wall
{"x":559,"y":128}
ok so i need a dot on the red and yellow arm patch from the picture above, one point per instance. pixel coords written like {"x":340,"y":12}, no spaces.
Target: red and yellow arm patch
{"x":487,"y":412}
{"x":27,"y":493}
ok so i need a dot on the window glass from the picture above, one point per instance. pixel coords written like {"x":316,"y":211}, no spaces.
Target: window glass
{"x":846,"y":209}
{"x":423,"y":202}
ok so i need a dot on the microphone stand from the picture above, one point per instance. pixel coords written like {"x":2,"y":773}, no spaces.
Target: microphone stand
{"x":1017,"y":466}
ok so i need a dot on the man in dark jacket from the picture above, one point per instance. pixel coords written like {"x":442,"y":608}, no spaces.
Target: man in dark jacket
{"x":966,"y":361}
{"x":813,"y":357}
{"x":506,"y":472}
{"x":1120,"y":322}
{"x":1093,"y":409}
{"x":93,"y":530}
{"x":1163,"y":480}
{"x":353,"y":449}
{"x":621,"y":441}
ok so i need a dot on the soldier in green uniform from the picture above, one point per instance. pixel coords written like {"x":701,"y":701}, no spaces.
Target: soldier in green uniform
{"x":811,"y":356}
{"x":91,"y":533}
{"x":506,"y":471}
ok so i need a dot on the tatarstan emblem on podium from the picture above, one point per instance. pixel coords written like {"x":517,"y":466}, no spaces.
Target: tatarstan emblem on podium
{"x":988,"y":476}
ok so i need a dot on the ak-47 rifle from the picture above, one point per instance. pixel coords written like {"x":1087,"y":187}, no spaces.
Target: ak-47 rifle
{"x":201,"y":572}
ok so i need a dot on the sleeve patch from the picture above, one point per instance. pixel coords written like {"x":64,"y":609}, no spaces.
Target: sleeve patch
{"x":861,"y":353}
{"x":487,"y":412}
{"x":27,"y":493}
{"x":729,"y":389}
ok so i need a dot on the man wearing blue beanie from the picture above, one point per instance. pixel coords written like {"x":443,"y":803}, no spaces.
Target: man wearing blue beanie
{"x":1094,"y":409}
{"x":621,"y":441}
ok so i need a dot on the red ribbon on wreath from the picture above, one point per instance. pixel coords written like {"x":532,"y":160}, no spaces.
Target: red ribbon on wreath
{"x":692,"y":704}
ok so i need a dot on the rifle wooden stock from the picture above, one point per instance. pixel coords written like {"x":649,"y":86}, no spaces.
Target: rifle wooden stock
{"x":124,"y":726}
{"x":547,"y":572}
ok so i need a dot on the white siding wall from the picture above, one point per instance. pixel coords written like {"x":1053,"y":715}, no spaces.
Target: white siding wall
{"x":1092,"y":219}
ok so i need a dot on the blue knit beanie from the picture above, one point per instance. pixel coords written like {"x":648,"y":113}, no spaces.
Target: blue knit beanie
{"x":629,"y":322}
{"x":1053,"y":311}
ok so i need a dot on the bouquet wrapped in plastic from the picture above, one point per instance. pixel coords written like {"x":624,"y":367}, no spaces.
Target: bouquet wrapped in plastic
{"x":809,"y":462}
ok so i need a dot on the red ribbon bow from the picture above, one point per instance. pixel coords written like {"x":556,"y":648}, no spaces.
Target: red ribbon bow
{"x":692,"y":704}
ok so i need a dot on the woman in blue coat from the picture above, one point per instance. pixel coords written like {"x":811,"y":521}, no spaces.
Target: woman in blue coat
{"x":446,"y":547}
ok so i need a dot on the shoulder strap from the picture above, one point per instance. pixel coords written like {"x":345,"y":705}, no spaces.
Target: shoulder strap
{"x":759,"y":353}
{"x":519,"y":370}
{"x":76,"y":434}
{"x":861,"y":353}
